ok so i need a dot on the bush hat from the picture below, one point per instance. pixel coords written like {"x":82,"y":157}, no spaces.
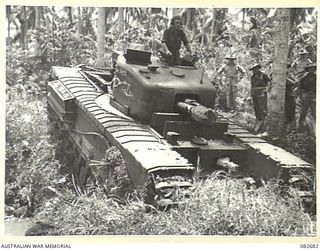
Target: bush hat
{"x":230,"y":57}
{"x":255,"y":65}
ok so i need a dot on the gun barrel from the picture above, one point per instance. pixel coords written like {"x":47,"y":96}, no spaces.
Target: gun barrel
{"x":184,"y":107}
{"x":197,"y":111}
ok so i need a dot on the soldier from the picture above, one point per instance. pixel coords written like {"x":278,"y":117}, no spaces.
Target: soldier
{"x":307,"y":93}
{"x":172,"y":39}
{"x":300,"y":63}
{"x":259,"y":88}
{"x":231,"y":72}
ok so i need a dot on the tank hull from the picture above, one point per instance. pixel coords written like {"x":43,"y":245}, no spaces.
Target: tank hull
{"x":168,"y":147}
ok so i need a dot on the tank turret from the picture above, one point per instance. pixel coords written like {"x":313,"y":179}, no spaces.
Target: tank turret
{"x":140,"y":90}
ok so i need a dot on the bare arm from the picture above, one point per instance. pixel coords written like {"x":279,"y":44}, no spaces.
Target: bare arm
{"x":166,"y":49}
{"x":164,"y":44}
{"x":186,"y":42}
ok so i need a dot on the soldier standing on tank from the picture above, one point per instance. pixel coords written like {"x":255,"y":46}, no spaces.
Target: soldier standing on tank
{"x":172,"y":39}
{"x":307,"y":93}
{"x":259,"y":89}
{"x":231,"y":72}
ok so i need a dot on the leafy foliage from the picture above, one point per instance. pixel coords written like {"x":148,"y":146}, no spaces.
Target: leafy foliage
{"x":64,"y":46}
{"x":35,"y":185}
{"x":30,"y":163}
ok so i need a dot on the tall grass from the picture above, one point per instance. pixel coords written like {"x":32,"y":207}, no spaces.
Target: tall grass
{"x":217,"y":207}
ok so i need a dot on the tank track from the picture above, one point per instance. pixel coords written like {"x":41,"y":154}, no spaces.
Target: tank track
{"x":134,"y":140}
{"x":288,"y":169}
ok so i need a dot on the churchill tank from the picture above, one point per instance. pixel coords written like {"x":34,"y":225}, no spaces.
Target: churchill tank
{"x":162,"y":119}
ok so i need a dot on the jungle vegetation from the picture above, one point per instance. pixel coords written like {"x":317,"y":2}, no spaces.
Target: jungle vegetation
{"x":39,"y":37}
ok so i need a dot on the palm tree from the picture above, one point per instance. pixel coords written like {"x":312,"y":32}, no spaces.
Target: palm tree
{"x":101,"y":36}
{"x":276,"y":102}
{"x":213,"y":22}
{"x":37,"y":25}
{"x":24,"y":27}
{"x":37,"y":17}
{"x":79,"y":21}
{"x":120,"y":20}
{"x":244,"y":12}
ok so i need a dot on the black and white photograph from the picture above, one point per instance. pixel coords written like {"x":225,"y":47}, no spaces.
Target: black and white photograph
{"x":160,"y":121}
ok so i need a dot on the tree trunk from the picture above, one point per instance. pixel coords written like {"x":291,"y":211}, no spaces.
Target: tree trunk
{"x":188,"y":21}
{"x":276,"y":99}
{"x":37,"y":12}
{"x":213,"y":21}
{"x":244,"y":10}
{"x":8,"y":10}
{"x":70,"y":14}
{"x":79,"y":21}
{"x":120,"y":21}
{"x":54,"y":25}
{"x":101,"y":36}
{"x":203,"y":29}
{"x":36,"y":45}
{"x":24,"y":26}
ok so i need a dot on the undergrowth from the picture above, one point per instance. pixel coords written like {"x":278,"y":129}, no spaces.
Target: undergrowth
{"x":217,"y":207}
{"x":31,"y":166}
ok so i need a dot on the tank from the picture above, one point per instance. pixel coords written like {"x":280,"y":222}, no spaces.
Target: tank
{"x":162,"y":119}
